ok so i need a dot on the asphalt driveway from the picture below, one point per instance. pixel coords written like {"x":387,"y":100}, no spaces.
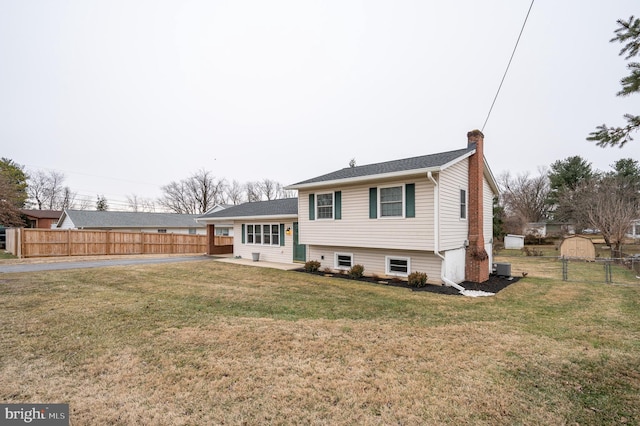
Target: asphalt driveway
{"x":92,"y":263}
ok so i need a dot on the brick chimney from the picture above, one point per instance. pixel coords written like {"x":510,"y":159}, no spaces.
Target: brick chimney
{"x":477,"y":260}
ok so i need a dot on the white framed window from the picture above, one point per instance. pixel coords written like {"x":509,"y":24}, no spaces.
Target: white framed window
{"x":162,"y":231}
{"x":391,"y":201}
{"x":324,"y":206}
{"x":274,"y":234}
{"x":343,"y":260}
{"x":192,"y":231}
{"x":397,"y":265}
{"x":463,"y":204}
{"x":223,"y":232}
{"x":267,"y":234}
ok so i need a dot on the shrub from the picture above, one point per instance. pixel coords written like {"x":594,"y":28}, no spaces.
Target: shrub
{"x":417,"y":279}
{"x":531,"y":251}
{"x":356,"y":271}
{"x":312,"y":266}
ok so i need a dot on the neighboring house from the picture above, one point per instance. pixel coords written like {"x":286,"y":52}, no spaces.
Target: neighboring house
{"x":170,"y":223}
{"x":546,"y":229}
{"x":432,"y":214}
{"x":43,"y":219}
{"x":634,"y":229}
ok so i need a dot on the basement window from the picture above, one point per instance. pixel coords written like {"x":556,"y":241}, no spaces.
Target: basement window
{"x":397,"y":265}
{"x":343,"y":260}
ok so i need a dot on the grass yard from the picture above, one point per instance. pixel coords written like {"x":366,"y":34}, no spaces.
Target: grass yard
{"x":214,"y":343}
{"x":6,"y":255}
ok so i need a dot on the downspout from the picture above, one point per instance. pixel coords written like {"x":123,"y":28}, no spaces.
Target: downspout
{"x":436,"y":233}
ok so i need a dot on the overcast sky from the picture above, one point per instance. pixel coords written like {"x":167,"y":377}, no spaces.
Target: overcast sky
{"x":125,"y":96}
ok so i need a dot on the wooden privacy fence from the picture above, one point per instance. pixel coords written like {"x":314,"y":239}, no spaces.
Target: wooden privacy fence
{"x":24,"y":242}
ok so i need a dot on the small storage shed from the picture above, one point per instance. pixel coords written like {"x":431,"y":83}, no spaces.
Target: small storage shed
{"x":578,"y":247}
{"x":513,"y":241}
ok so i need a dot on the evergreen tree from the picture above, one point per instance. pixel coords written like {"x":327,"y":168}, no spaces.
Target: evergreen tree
{"x":101,"y":204}
{"x":567,"y":174}
{"x":13,"y":192}
{"x":628,"y":33}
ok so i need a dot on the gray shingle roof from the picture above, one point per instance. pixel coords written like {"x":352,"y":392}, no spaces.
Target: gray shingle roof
{"x":282,"y":207}
{"x":100,"y":219}
{"x":405,"y":164}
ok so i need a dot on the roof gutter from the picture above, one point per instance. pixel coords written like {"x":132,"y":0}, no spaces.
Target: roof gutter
{"x":436,"y":234}
{"x":232,"y":218}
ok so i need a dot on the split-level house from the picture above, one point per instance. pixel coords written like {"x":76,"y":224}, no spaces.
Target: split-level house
{"x":432,"y":213}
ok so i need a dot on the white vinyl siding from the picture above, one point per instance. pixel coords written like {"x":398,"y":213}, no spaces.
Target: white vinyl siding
{"x":453,"y":231}
{"x":268,"y":253}
{"x":487,"y":223}
{"x":374,"y":260}
{"x":355,"y":229}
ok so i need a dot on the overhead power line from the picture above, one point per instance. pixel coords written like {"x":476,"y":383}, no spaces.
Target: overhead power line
{"x":507,"y":69}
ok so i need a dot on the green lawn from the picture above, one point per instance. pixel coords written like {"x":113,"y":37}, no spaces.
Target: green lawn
{"x":214,"y":343}
{"x":6,"y":255}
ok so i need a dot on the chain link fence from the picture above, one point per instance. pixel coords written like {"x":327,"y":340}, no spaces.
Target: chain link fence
{"x":625,"y":270}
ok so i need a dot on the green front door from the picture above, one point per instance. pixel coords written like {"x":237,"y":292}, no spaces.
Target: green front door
{"x":299,"y":250}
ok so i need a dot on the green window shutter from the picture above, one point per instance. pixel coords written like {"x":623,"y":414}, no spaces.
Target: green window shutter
{"x":337,"y":199}
{"x":282,"y":234}
{"x":243,"y":233}
{"x":373,"y":203}
{"x":312,"y":206}
{"x":410,"y":205}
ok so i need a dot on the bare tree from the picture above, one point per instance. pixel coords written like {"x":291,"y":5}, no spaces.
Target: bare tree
{"x":56,"y":189}
{"x":140,"y":204}
{"x":254,"y":192}
{"x":609,"y":205}
{"x":46,"y":190}
{"x":288,"y":193}
{"x":37,"y":188}
{"x":194,"y":195}
{"x":235,"y":193}
{"x":269,"y":188}
{"x":176,"y":198}
{"x":525,"y":198}
{"x":67,"y":199}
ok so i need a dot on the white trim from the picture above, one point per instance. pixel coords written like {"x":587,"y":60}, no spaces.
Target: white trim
{"x":333,"y":205}
{"x":262,"y":243}
{"x":367,"y":178}
{"x":388,"y":271}
{"x":466,"y":205}
{"x":403,"y":201}
{"x":456,"y":160}
{"x":335,"y":260}
{"x":246,"y":218}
